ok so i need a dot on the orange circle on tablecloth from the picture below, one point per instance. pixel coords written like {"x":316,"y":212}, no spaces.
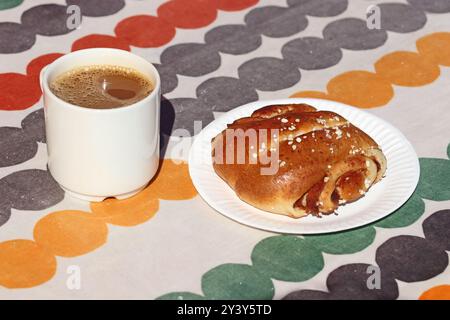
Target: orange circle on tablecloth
{"x":435,"y":47}
{"x":100,"y":41}
{"x":172,"y":182}
{"x":437,"y":293}
{"x":128,"y":212}
{"x":25,"y":264}
{"x":235,"y":5}
{"x":35,"y":66}
{"x":362,"y":89}
{"x":145,"y":31}
{"x":70,"y":233}
{"x":310,"y":94}
{"x":189,"y":14}
{"x":408,"y":69}
{"x":18,"y":91}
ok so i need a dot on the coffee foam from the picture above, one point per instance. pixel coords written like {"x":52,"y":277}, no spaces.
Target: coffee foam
{"x":88,"y":86}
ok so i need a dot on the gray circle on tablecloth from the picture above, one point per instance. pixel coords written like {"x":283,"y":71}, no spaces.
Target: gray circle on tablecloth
{"x":434,"y":6}
{"x":169,"y":79}
{"x":353,"y":34}
{"x":225,"y":93}
{"x":411,"y":258}
{"x":320,"y":8}
{"x":98,"y":8}
{"x":350,"y":282}
{"x":269,"y":74}
{"x":191,"y":59}
{"x":15,"y":37}
{"x":401,"y":18}
{"x":181,"y":113}
{"x":437,"y":229}
{"x":233,"y":39}
{"x":311,"y":53}
{"x":5,"y":211}
{"x":15,"y":146}
{"x":307,"y":295}
{"x":31,"y":189}
{"x":34,"y":125}
{"x":275,"y":21}
{"x":46,"y":19}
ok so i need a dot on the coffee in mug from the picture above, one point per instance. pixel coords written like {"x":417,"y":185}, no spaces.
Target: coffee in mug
{"x":101,"y":86}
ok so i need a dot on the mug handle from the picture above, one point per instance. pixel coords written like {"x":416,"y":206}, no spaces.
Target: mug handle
{"x":41,"y":77}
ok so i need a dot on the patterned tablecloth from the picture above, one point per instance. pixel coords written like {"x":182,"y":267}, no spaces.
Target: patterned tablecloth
{"x":214,"y":55}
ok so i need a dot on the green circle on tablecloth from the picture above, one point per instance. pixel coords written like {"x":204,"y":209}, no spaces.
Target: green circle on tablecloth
{"x":434,"y":179}
{"x":405,"y":215}
{"x":7,"y":4}
{"x":344,"y":242}
{"x":287,"y":258}
{"x":236,"y":281}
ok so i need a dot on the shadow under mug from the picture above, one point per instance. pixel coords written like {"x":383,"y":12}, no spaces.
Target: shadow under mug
{"x":98,"y":153}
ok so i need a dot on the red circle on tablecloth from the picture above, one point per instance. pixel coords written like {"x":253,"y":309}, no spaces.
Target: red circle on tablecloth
{"x":235,"y":5}
{"x":18,"y":91}
{"x":35,"y":66}
{"x":145,"y":31}
{"x":100,"y":41}
{"x":189,"y":14}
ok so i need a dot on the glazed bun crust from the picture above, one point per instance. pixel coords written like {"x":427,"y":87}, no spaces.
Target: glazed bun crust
{"x":323,"y":160}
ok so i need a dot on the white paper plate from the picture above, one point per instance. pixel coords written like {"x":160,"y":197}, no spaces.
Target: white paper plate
{"x":383,"y":198}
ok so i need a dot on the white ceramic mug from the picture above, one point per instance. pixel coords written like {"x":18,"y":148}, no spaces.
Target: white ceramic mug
{"x":98,"y":153}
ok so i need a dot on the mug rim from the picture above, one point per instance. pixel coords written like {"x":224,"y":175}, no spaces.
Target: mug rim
{"x":46,"y":89}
